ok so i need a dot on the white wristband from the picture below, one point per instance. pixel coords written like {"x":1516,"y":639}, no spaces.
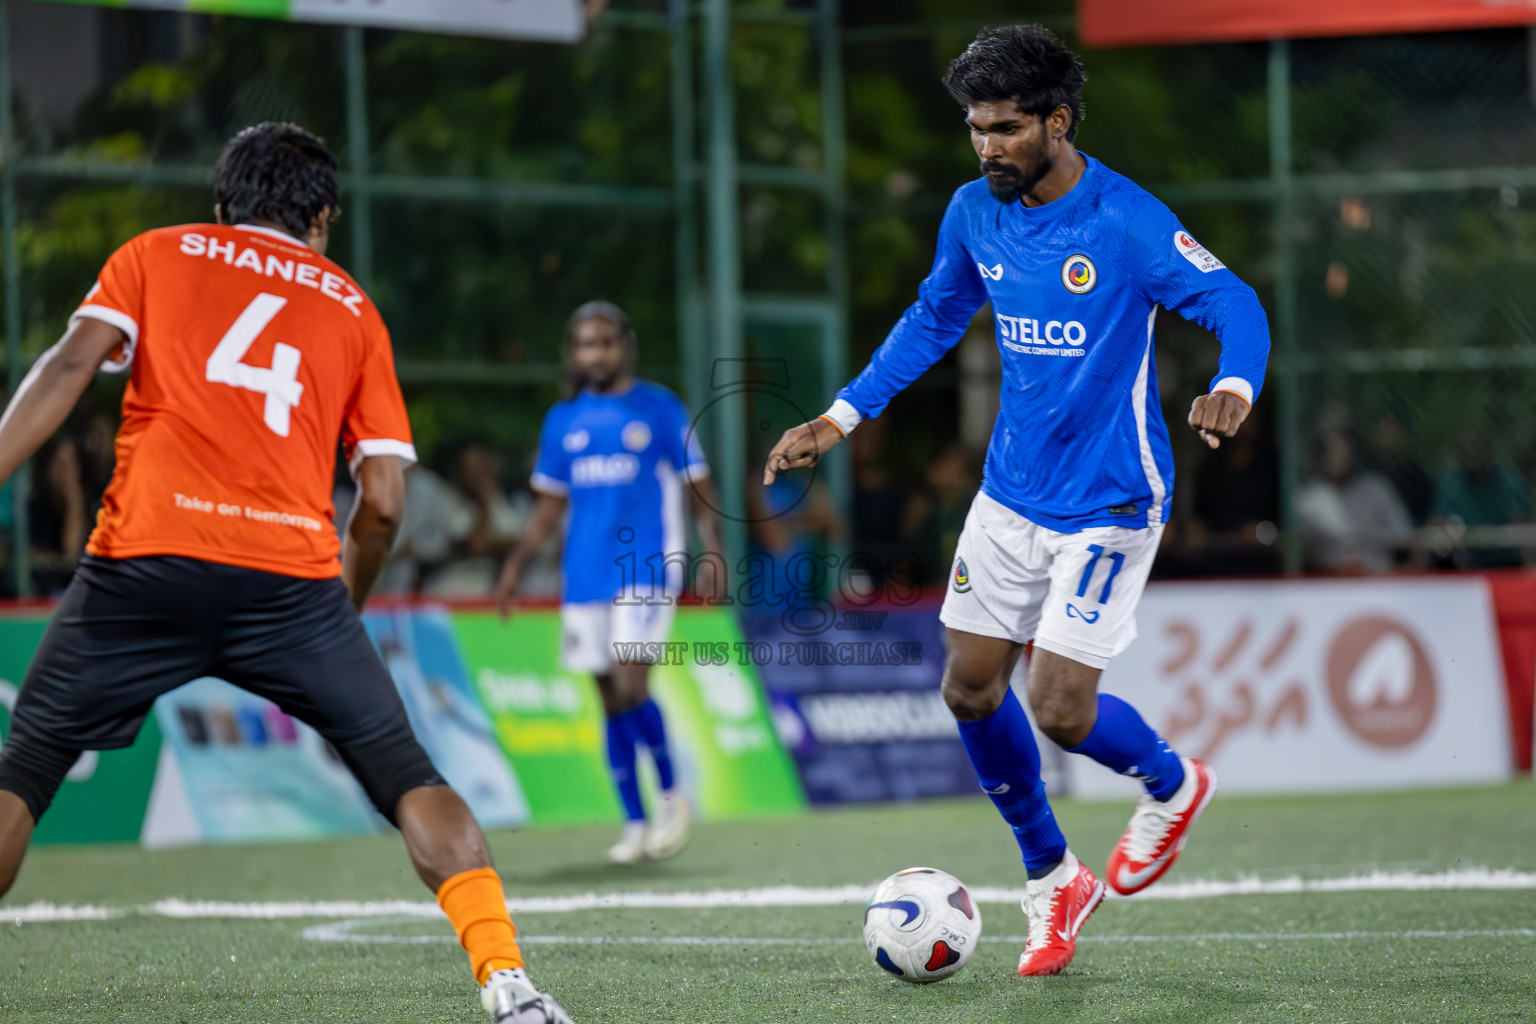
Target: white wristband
{"x":1237,"y":386}
{"x":844,"y":415}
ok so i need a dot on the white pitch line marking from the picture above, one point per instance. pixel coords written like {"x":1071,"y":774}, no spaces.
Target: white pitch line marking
{"x":343,"y":931}
{"x":48,"y":912}
{"x":774,"y":896}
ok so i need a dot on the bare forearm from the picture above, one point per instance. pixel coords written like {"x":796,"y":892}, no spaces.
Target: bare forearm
{"x":545,"y":518}
{"x":42,"y":404}
{"x":75,"y":527}
{"x":709,"y":528}
{"x":376,"y":517}
{"x":364,"y":551}
{"x":51,"y":389}
{"x":706,"y":499}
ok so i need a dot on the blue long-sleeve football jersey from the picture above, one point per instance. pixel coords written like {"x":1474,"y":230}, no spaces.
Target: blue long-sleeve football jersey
{"x":1074,"y":285}
{"x":622,"y":460}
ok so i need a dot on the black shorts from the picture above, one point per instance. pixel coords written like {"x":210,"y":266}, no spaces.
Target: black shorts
{"x":129,"y":630}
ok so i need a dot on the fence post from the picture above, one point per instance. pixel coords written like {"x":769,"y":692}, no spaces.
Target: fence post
{"x":692,"y":349}
{"x":358,"y":160}
{"x":834,"y":145}
{"x":1286,"y":313}
{"x":21,"y":483}
{"x":724,"y":204}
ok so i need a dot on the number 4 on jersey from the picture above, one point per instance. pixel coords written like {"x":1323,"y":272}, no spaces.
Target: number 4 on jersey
{"x":279,"y":382}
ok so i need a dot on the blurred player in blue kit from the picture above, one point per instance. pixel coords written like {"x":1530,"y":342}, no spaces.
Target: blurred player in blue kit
{"x":1075,"y":260}
{"x":612,"y":464}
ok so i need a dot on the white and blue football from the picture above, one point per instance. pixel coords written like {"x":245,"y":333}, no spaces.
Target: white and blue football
{"x":921,"y":925}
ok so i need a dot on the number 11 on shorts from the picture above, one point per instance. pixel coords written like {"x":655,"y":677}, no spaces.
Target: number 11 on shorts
{"x":1116,"y":560}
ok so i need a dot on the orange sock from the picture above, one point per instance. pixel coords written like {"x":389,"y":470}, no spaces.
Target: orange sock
{"x":476,"y":904}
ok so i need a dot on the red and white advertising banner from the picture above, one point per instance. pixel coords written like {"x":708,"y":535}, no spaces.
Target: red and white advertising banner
{"x":1165,"y":22}
{"x":1318,"y":685}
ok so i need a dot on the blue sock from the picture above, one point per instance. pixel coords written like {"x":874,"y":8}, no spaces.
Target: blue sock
{"x":646,"y":723}
{"x":1007,"y":762}
{"x":621,"y":767}
{"x":1121,"y":740}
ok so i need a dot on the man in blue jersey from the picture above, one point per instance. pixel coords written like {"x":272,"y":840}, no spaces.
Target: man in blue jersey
{"x":616,"y":456}
{"x":1074,"y":260}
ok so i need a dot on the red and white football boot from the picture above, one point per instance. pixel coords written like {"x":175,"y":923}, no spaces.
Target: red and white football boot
{"x":1057,"y":907}
{"x":1158,"y":829}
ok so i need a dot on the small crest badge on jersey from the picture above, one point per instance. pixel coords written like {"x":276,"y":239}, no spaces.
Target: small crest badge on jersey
{"x":1185,"y":245}
{"x":636,"y":435}
{"x":962,"y":577}
{"x":1079,"y":274}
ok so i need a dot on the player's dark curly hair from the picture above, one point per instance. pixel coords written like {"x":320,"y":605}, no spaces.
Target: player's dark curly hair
{"x":1023,"y":63}
{"x":279,"y":172}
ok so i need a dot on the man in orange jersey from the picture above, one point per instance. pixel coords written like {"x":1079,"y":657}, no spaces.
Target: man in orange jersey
{"x":250,"y":354}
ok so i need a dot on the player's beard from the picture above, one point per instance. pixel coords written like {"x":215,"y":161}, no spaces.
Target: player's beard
{"x":579,"y":380}
{"x":1007,"y":184}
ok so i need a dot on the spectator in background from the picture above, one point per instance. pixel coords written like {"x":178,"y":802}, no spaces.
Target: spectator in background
{"x":1413,"y":483}
{"x":445,"y":532}
{"x":1480,"y":490}
{"x":424,"y":540}
{"x":7,"y":527}
{"x":934,"y":515}
{"x":482,"y":523}
{"x":792,"y":518}
{"x":1236,"y":502}
{"x":1352,"y":518}
{"x":7,"y":539}
{"x":98,"y":458}
{"x":56,"y":515}
{"x":877,"y":503}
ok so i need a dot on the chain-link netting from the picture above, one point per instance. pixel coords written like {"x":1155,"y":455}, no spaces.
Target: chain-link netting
{"x":1408,"y":398}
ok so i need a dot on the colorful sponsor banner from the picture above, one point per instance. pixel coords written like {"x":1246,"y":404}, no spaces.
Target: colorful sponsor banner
{"x":857,"y":703}
{"x":1163,"y":22}
{"x":550,"y":721}
{"x":720,"y":721}
{"x":552,"y":20}
{"x":1315,"y":686}
{"x":104,"y":796}
{"x":521,"y":739}
{"x":237,"y":769}
{"x":422,"y":654}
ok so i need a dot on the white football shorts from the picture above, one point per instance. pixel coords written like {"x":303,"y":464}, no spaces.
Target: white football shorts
{"x":592,"y":631}
{"x":1072,"y":593}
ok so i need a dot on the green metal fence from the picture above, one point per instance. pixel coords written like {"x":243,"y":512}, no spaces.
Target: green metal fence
{"x":764,"y":181}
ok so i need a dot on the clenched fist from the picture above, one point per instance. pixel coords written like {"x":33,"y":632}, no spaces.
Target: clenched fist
{"x":1218,"y":415}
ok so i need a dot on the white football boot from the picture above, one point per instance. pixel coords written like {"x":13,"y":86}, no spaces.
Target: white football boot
{"x":630,"y":849}
{"x":671,"y":828}
{"x":510,"y":998}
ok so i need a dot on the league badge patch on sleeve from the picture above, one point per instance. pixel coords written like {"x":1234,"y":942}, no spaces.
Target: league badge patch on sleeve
{"x":1185,"y":245}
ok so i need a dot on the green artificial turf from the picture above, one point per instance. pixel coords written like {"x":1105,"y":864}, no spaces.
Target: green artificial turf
{"x":1298,"y":957}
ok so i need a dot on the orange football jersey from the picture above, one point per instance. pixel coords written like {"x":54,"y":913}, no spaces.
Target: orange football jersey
{"x":250,"y":354}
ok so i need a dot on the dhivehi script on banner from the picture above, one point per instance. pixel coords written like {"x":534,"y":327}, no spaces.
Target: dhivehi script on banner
{"x":1322,"y":685}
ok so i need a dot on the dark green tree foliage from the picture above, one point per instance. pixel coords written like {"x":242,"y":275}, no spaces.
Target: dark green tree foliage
{"x":481,"y":283}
